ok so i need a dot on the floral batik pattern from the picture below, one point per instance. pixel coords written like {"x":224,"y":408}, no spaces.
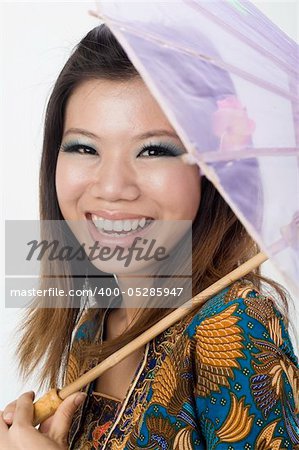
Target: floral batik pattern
{"x":226,"y":378}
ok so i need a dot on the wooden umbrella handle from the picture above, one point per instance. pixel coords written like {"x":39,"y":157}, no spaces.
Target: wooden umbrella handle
{"x":47,"y":405}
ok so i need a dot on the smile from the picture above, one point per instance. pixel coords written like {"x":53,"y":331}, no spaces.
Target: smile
{"x":118,"y":228}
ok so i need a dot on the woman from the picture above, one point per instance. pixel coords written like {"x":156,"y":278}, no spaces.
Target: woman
{"x":225,"y":377}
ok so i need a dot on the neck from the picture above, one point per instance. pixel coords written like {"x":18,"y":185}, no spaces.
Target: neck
{"x":132,"y":303}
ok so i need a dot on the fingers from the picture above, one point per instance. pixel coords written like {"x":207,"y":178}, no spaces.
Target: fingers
{"x":23,"y":414}
{"x":60,"y":423}
{"x":8,"y":412}
{"x":46,"y":425}
{"x":20,"y":413}
{"x":3,"y":425}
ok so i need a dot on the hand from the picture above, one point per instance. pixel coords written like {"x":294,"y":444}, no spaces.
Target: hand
{"x":18,"y":433}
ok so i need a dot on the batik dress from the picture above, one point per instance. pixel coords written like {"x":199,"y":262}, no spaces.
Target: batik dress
{"x":227,"y":378}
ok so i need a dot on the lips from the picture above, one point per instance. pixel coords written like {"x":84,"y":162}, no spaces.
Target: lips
{"x":115,"y":215}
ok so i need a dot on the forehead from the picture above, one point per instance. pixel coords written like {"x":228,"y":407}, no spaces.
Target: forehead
{"x":109,"y":104}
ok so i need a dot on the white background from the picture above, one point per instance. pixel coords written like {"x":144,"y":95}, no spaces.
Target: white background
{"x":36,"y":40}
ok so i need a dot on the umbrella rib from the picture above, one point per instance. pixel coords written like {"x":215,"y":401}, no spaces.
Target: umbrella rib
{"x":223,"y":65}
{"x":246,"y":153}
{"x":242,"y":37}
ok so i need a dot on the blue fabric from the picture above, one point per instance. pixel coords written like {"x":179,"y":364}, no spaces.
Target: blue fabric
{"x":226,"y":378}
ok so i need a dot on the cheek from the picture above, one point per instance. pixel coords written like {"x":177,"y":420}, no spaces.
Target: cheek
{"x":180,"y":186}
{"x":70,"y":182}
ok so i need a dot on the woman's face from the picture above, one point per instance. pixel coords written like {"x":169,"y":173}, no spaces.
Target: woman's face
{"x":119,"y":165}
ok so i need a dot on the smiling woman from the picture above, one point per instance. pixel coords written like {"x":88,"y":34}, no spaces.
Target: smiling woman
{"x":114,"y":180}
{"x":114,"y":170}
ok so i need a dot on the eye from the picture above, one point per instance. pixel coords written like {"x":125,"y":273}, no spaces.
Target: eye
{"x":155,"y":150}
{"x":78,"y":148}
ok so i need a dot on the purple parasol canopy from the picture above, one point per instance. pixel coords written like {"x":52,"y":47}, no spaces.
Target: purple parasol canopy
{"x":227,"y":79}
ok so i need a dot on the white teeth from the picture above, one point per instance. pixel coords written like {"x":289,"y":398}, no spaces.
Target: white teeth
{"x":118,"y":225}
{"x":142,"y":222}
{"x":127,"y":225}
{"x":134,"y":224}
{"x":108,"y":225}
{"x":99,"y":222}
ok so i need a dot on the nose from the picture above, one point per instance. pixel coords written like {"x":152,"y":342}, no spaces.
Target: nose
{"x":115,"y":179}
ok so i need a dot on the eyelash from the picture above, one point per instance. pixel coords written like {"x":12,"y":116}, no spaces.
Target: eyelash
{"x":76,"y":147}
{"x":166,"y":149}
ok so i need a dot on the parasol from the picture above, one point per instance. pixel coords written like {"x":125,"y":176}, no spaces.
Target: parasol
{"x":227,"y":79}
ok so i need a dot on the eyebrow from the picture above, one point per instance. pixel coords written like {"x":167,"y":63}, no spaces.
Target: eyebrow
{"x":148,"y":134}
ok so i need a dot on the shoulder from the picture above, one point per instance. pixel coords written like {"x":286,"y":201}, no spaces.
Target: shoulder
{"x":247,"y":376}
{"x":243,"y":309}
{"x":240,"y":321}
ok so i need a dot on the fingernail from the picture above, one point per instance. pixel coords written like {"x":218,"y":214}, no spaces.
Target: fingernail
{"x":32,"y":393}
{"x":8,"y":416}
{"x":80,"y":398}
